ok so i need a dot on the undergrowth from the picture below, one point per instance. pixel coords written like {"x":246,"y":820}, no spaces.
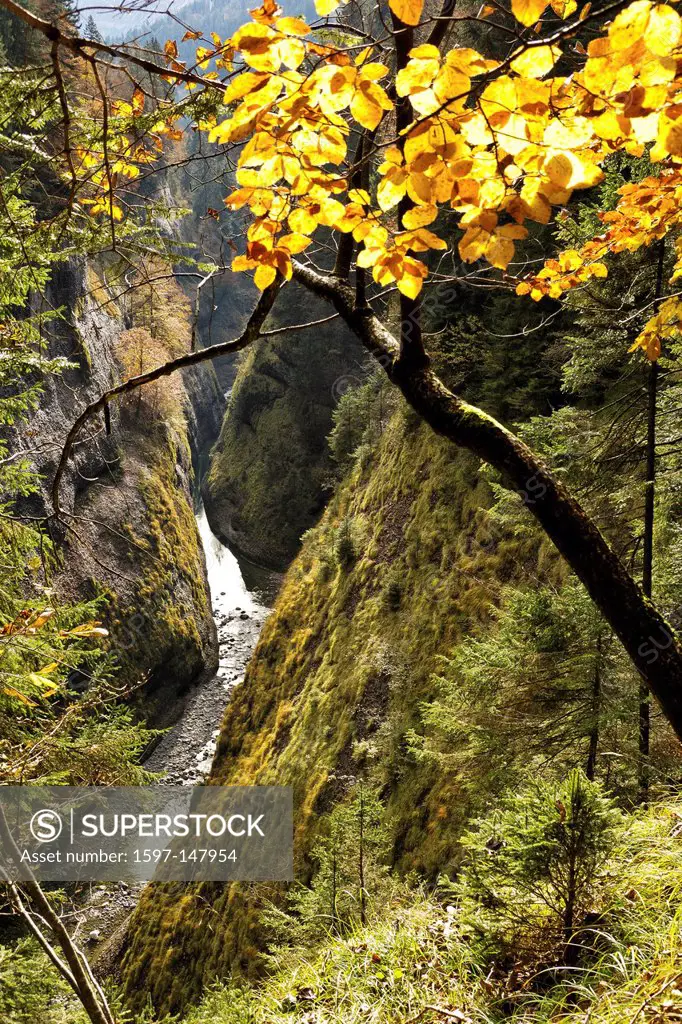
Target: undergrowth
{"x":420,"y":961}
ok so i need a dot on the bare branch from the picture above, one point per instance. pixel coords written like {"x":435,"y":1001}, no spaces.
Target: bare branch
{"x":249,"y":335}
{"x":81,"y":45}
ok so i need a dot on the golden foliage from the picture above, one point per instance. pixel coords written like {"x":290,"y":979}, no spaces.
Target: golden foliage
{"x":498,"y":144}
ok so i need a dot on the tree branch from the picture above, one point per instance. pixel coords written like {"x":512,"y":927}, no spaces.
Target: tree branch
{"x":650,"y":641}
{"x":75,"y":970}
{"x":79,"y":45}
{"x":443,"y":24}
{"x":250,"y":334}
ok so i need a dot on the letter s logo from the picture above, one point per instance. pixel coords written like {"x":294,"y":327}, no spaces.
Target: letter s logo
{"x":46,"y":826}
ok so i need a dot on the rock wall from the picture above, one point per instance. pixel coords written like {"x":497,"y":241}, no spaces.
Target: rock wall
{"x":128,"y":531}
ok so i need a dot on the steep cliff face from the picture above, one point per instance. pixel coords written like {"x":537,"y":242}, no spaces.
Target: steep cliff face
{"x":398,"y":570}
{"x":269,"y":473}
{"x":129,"y":531}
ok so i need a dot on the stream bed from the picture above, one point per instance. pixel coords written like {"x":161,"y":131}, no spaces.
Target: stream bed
{"x":239,"y":608}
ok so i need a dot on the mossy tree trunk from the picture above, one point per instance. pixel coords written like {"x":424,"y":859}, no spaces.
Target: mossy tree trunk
{"x":633,"y":617}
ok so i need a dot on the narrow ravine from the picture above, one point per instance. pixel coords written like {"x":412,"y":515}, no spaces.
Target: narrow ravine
{"x":186,"y":751}
{"x":241,"y":594}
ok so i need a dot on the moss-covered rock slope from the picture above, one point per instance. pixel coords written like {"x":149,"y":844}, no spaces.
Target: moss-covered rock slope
{"x":391,"y":578}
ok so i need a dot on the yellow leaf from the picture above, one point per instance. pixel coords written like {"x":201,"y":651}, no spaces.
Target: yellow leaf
{"x":46,"y":614}
{"x":419,"y":72}
{"x":264,"y":276}
{"x":368,"y":104}
{"x":468,"y":61}
{"x":499,"y":252}
{"x":420,"y":216}
{"x":48,"y":686}
{"x":451,"y":85}
{"x":563,"y":8}
{"x":630,"y":25}
{"x":669,"y":140}
{"x":18,"y":695}
{"x":302,"y":221}
{"x":137,"y":101}
{"x":663,"y":30}
{"x":373,"y":71}
{"x":528,"y":11}
{"x":292,"y":26}
{"x":411,"y":281}
{"x":422,"y":239}
{"x":87,"y":629}
{"x":241,"y":263}
{"x":292,"y":53}
{"x":473,"y":244}
{"x":536,"y":61}
{"x":392,"y":188}
{"x":407,"y":11}
{"x":325,"y":7}
{"x":242,"y":85}
{"x":294,"y":244}
{"x":571,"y":170}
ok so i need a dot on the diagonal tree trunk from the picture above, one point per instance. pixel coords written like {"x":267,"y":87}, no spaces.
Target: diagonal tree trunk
{"x":648,"y":638}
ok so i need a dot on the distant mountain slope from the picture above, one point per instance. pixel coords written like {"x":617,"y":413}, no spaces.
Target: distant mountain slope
{"x":205,"y":15}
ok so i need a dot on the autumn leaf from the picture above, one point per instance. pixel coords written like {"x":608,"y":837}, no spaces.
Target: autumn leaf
{"x":11,"y":691}
{"x":266,"y":13}
{"x":48,"y":686}
{"x":137,"y":101}
{"x":325,"y":7}
{"x":42,"y":618}
{"x":536,"y":62}
{"x":292,"y":26}
{"x":171,"y":49}
{"x":407,"y":11}
{"x":369,"y":104}
{"x":264,"y":276}
{"x":563,"y":8}
{"x":419,"y":216}
{"x":528,"y":11}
